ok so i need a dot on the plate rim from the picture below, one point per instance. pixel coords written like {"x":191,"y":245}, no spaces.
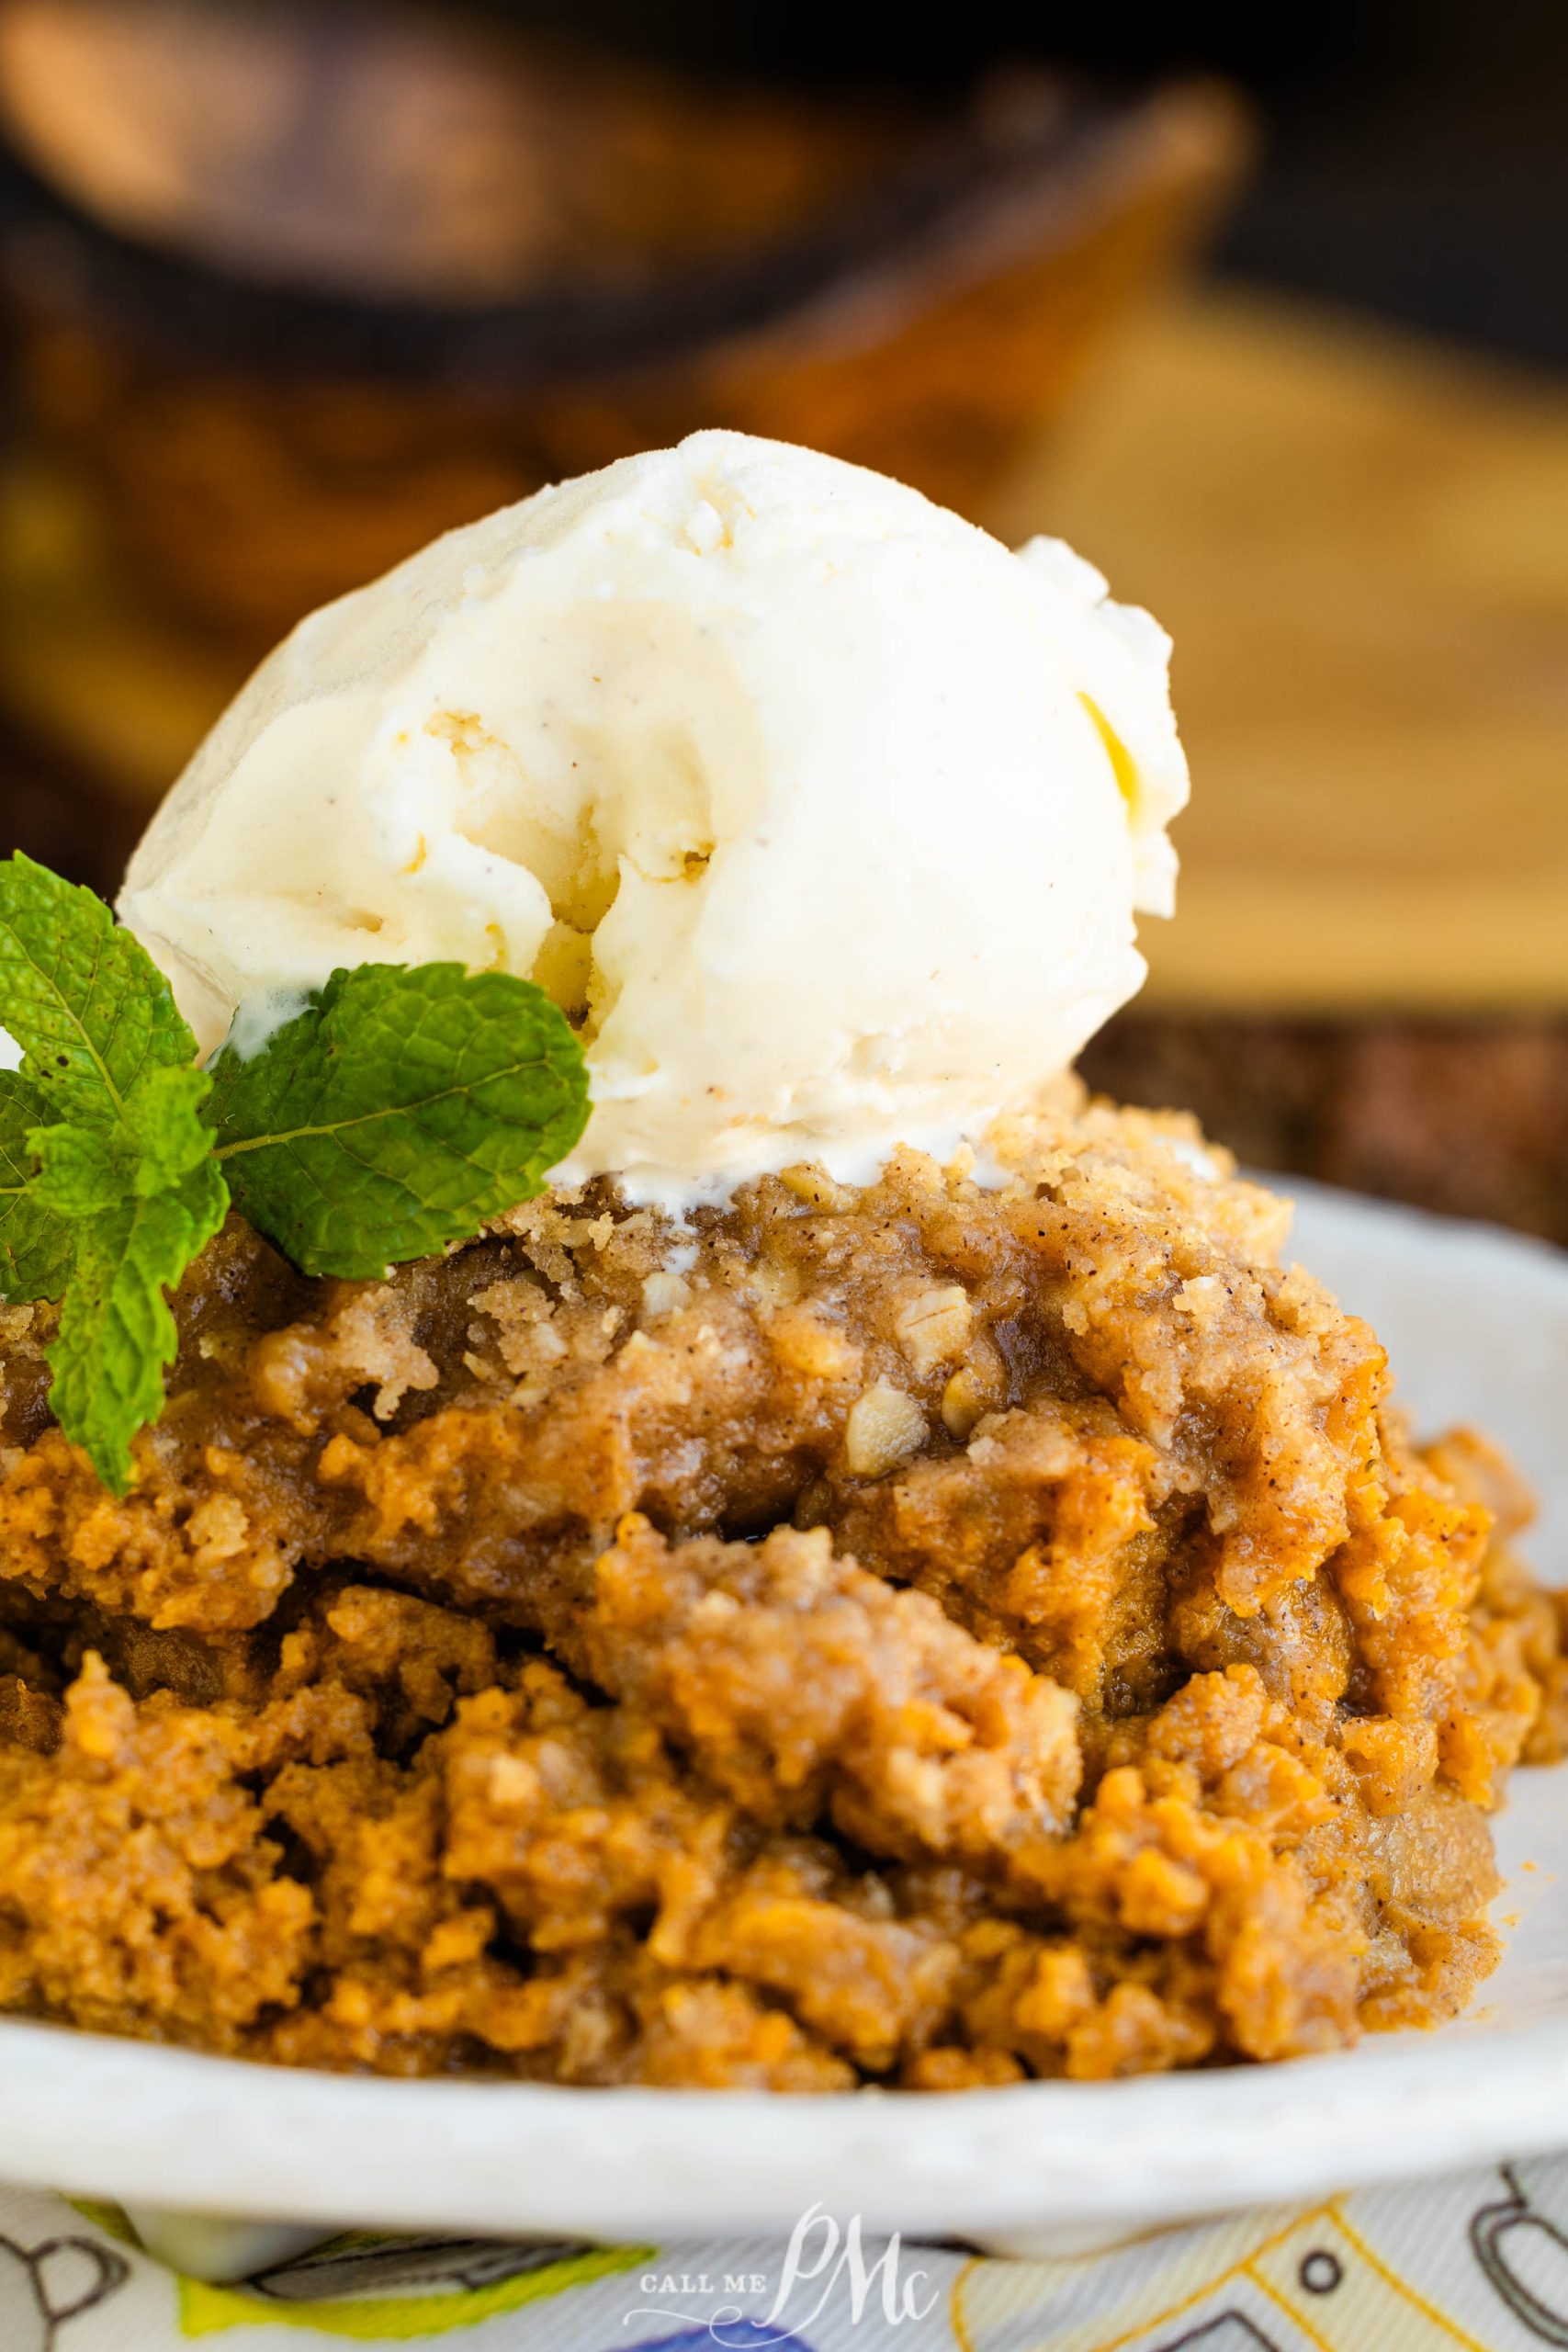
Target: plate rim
{"x":284,"y":2144}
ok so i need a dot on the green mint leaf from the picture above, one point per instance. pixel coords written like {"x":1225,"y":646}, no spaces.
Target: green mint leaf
{"x":117,"y":1334}
{"x":107,"y":1183}
{"x":82,"y":1171}
{"x":400,"y":1111}
{"x":158,"y":1138}
{"x":36,"y":1246}
{"x":164,"y":1125}
{"x":81,"y":996}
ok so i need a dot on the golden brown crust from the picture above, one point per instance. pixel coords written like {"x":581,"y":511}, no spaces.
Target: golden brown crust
{"x":932,"y":1632}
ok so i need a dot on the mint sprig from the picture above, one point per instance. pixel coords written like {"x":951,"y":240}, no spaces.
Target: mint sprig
{"x":117,"y":1337}
{"x":401,"y":1110}
{"x":102,"y":1203}
{"x":398,"y":1112}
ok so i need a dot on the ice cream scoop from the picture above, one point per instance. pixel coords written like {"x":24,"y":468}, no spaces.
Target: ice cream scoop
{"x":823,"y":812}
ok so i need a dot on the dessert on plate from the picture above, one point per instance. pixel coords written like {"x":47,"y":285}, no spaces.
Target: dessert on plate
{"x":752,"y":1534}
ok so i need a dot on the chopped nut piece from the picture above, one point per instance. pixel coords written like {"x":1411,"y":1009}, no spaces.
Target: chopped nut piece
{"x":934,"y":1326}
{"x":963,"y":1404}
{"x":885,"y":1427}
{"x":812,"y":1184}
{"x":664,"y":1294}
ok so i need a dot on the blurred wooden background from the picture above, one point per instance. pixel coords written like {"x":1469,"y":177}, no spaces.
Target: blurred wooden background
{"x":1359,"y":542}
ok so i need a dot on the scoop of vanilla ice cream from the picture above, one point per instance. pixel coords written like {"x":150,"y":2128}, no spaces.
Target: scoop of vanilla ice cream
{"x":825,"y":813}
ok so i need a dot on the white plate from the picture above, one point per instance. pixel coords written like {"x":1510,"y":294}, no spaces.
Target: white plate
{"x":1477,"y":1323}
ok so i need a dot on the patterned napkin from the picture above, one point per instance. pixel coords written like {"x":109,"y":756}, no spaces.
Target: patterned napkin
{"x":1479,"y":2261}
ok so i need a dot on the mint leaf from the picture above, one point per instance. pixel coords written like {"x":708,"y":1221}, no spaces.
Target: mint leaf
{"x":36,"y":1246}
{"x":398,"y":1112}
{"x":401,"y":1110}
{"x":163,"y":1127}
{"x":158,"y":1138}
{"x":81,"y":996}
{"x":117,"y":1336}
{"x":107,"y":1186}
{"x":81,"y":1171}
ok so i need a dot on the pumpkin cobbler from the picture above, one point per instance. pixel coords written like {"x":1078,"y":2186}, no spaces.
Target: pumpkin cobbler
{"x":932,"y":1632}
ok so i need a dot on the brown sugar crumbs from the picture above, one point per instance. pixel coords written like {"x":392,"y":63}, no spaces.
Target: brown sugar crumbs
{"x":929,"y":1633}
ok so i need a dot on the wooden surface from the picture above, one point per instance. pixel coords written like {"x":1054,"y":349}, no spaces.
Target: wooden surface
{"x":1359,"y":544}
